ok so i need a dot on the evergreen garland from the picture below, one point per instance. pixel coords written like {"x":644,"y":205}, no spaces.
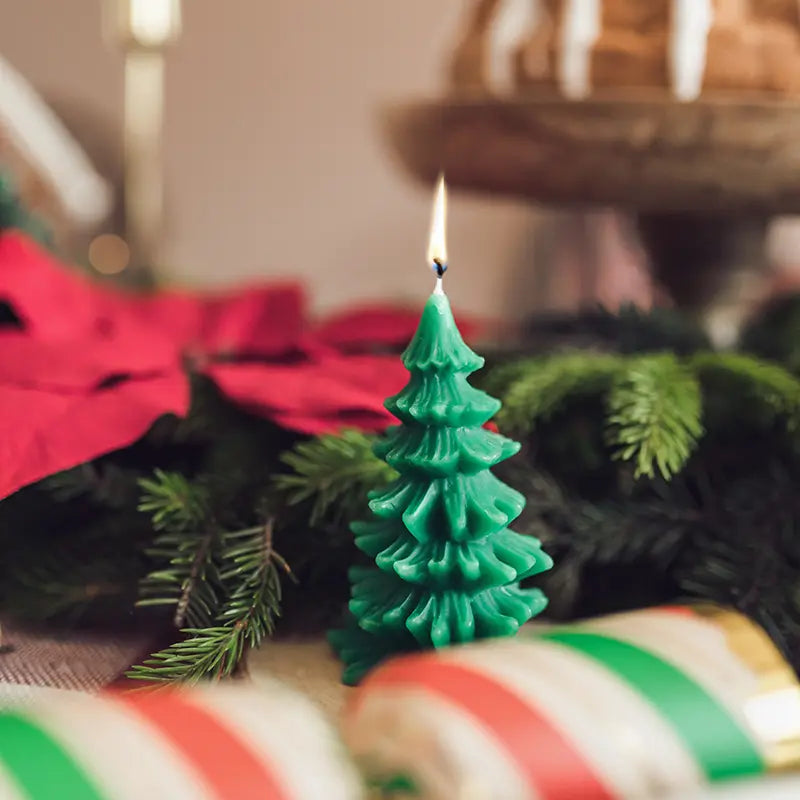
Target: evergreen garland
{"x":654,"y":469}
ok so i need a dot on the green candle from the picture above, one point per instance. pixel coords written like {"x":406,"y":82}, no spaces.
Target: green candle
{"x":446,"y":565}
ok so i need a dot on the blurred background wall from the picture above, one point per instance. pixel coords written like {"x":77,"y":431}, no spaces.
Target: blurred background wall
{"x":274,"y":159}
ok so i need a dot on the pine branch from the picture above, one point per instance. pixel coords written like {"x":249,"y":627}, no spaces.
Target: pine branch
{"x":254,"y":602}
{"x":101,"y":482}
{"x":497,"y":380}
{"x":173,"y":502}
{"x":657,"y":329}
{"x":71,"y":574}
{"x":747,"y":555}
{"x":613,"y":531}
{"x":774,"y":334}
{"x":334,"y":473}
{"x":540,"y":387}
{"x":251,"y":573}
{"x":628,"y":533}
{"x":654,"y":415}
{"x":62,"y":586}
{"x":742,"y":389}
{"x":627,"y":330}
{"x":205,"y":652}
{"x":187,"y":577}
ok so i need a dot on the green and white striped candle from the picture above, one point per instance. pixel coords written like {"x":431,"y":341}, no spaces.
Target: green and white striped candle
{"x":217,"y":743}
{"x":652,"y":704}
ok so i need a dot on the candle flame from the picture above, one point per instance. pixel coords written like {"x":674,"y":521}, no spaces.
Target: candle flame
{"x":437,"y":245}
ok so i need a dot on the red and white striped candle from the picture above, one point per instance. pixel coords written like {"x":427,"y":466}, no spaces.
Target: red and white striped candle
{"x":652,"y":704}
{"x":215,"y":743}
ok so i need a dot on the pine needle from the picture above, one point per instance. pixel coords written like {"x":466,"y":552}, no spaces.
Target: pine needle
{"x":497,"y":380}
{"x":654,"y":415}
{"x":747,"y":389}
{"x":334,"y":473}
{"x":774,"y":334}
{"x":205,"y":652}
{"x":538,"y":388}
{"x":250,"y":571}
{"x":186,"y":575}
{"x":172,"y":501}
{"x":70,"y":586}
{"x":748,"y":557}
{"x":105,"y":484}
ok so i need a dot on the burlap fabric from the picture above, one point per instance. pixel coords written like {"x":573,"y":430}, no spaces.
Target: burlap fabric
{"x":76,"y":661}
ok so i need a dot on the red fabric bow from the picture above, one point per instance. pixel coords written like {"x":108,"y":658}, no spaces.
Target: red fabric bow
{"x":94,"y":367}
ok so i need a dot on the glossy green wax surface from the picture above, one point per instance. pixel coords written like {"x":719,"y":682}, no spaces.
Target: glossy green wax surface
{"x":446,"y":567}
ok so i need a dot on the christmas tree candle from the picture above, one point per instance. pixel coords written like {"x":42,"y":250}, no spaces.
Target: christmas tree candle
{"x":447,"y":568}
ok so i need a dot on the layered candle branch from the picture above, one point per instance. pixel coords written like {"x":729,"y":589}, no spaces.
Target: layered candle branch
{"x":447,"y":567}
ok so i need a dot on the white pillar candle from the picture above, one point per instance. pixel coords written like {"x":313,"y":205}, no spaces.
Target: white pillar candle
{"x":580,"y":28}
{"x":37,"y":133}
{"x":514,"y":22}
{"x":691,"y":22}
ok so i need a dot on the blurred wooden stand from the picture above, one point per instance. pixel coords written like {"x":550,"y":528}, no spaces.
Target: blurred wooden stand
{"x":703,"y":179}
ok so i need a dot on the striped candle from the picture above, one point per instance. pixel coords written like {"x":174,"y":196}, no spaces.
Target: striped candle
{"x":653,"y":704}
{"x":217,"y":743}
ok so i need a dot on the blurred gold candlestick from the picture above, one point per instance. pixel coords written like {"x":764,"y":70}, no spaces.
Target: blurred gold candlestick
{"x":144,"y":28}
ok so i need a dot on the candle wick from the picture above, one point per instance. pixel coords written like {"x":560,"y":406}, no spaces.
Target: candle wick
{"x":439,"y":267}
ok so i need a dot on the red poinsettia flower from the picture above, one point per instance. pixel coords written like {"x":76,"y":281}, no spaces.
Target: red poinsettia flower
{"x":92,"y":367}
{"x":60,"y":406}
